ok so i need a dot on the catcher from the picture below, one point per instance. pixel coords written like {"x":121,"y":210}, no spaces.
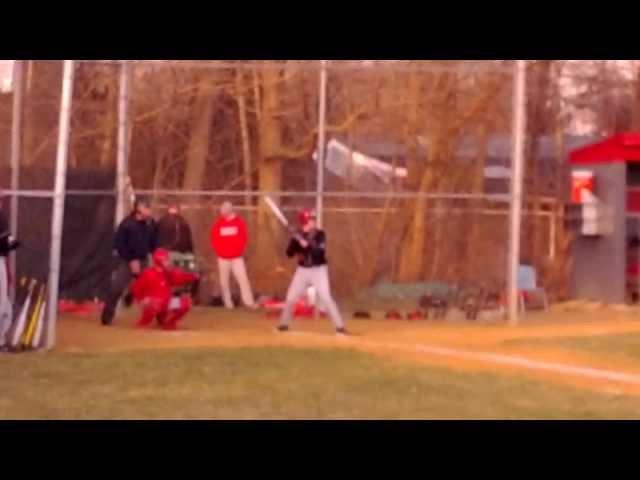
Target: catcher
{"x":153,"y":291}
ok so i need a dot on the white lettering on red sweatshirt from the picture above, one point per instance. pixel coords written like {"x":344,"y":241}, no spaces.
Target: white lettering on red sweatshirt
{"x":229,"y":237}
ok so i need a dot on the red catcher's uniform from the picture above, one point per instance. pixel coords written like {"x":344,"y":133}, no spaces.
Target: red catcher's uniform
{"x":229,"y":237}
{"x":153,"y":291}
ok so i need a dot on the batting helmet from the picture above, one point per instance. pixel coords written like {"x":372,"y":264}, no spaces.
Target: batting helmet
{"x":306,"y":215}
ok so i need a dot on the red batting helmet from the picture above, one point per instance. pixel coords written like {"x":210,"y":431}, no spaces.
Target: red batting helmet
{"x":160,"y":256}
{"x":305,"y":215}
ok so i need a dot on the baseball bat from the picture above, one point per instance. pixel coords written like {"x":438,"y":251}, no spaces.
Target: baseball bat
{"x":31,"y":326}
{"x":277,"y":212}
{"x":280,"y":216}
{"x":38,"y":333}
{"x":22,"y":318}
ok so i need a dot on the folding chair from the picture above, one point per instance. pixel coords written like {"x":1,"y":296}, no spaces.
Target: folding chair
{"x":528,"y":287}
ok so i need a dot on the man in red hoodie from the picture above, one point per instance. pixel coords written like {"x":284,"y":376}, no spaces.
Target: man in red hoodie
{"x":152,"y":290}
{"x":229,"y":242}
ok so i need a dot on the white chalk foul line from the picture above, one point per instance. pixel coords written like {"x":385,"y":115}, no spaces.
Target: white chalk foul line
{"x":510,"y":360}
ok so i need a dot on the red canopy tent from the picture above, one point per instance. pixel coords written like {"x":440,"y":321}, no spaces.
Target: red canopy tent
{"x":620,"y":148}
{"x":623,"y":147}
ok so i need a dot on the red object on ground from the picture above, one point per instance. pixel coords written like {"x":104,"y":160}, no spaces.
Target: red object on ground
{"x":84,"y":308}
{"x":393,"y":315}
{"x":302,"y":309}
{"x":229,"y":238}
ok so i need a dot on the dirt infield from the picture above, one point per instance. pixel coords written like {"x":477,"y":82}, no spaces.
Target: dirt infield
{"x":453,"y":344}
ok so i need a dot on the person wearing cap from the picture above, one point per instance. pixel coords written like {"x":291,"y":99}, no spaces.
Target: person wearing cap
{"x":174,"y":235}
{"x":7,"y":245}
{"x":308,"y":245}
{"x":135,"y":240}
{"x":153,"y":290}
{"x":229,"y":241}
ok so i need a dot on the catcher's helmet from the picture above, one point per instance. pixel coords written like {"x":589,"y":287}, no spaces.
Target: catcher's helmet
{"x":160,"y":256}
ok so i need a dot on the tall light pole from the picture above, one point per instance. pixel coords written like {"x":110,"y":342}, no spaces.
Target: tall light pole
{"x":123,"y":133}
{"x":518,"y":135}
{"x":64,"y":127}
{"x":322,"y":116}
{"x":16,"y":147}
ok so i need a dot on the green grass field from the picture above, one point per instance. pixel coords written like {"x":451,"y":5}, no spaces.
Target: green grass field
{"x":279,"y":383}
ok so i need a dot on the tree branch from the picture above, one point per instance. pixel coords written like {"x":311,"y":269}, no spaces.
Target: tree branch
{"x":308,"y":142}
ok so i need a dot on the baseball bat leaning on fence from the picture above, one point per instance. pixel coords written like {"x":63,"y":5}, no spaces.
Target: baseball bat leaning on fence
{"x":37,"y":336}
{"x":29,"y":332}
{"x":23,"y":315}
{"x":30,"y":317}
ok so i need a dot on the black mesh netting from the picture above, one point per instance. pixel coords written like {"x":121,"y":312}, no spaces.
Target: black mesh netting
{"x":87,"y":233}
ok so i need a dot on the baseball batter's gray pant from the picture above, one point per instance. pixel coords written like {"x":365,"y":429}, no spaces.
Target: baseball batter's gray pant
{"x":318,"y":278}
{"x":6,"y":309}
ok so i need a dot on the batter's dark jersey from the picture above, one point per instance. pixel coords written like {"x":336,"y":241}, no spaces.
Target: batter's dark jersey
{"x":312,"y":256}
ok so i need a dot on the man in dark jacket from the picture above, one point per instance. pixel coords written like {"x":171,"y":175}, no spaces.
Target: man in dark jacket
{"x":135,"y":240}
{"x":174,"y":233}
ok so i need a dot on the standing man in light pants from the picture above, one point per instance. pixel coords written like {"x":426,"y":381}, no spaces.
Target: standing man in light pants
{"x":309,"y":247}
{"x":229,"y":242}
{"x":7,"y":245}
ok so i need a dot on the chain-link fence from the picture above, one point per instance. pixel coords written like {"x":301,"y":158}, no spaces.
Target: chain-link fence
{"x":414,"y":185}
